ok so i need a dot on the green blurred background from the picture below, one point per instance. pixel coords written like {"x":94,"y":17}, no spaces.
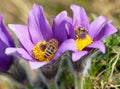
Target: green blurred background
{"x":17,"y":11}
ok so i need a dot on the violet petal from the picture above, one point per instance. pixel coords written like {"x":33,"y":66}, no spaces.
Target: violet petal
{"x":96,"y":26}
{"x":78,"y":54}
{"x":38,"y":25}
{"x":5,"y":60}
{"x":79,"y":16}
{"x":98,"y":45}
{"x":20,"y":52}
{"x":36,"y":65}
{"x":70,"y":31}
{"x":59,"y":29}
{"x":4,"y":34}
{"x":21,"y":32}
{"x":107,"y":30}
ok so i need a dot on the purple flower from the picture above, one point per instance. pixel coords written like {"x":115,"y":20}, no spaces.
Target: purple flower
{"x":88,"y":36}
{"x":5,"y":41}
{"x":41,"y":44}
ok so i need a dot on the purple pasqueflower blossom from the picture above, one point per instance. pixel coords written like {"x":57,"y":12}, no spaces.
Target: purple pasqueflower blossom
{"x":88,"y":36}
{"x":5,"y":41}
{"x":41,"y":44}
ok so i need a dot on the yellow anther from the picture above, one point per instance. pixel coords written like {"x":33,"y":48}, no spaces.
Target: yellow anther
{"x":38,"y":52}
{"x":83,"y":42}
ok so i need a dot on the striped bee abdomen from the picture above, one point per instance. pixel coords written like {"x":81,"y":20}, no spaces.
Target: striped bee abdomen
{"x":51,"y":48}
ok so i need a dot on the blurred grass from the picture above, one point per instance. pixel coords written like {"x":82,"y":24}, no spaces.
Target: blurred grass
{"x":105,"y":71}
{"x":17,"y":11}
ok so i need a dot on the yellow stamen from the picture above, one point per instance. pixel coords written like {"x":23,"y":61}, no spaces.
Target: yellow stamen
{"x":38,"y":52}
{"x":83,"y":42}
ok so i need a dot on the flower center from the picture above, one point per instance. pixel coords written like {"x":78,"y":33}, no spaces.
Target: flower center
{"x":82,"y":38}
{"x":44,"y":51}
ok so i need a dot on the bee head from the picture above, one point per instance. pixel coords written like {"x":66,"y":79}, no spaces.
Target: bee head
{"x":43,"y":46}
{"x":81,"y":32}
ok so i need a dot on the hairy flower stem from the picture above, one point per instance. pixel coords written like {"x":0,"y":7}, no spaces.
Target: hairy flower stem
{"x":18,"y":71}
{"x":51,"y":70}
{"x":79,"y":83}
{"x":52,"y":84}
{"x":65,"y":76}
{"x":81,"y":68}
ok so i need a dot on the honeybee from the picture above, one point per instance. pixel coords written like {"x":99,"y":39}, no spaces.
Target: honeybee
{"x":51,"y":48}
{"x":81,"y":32}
